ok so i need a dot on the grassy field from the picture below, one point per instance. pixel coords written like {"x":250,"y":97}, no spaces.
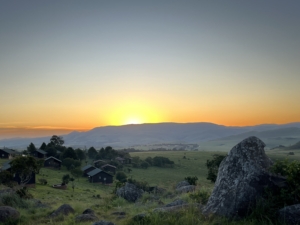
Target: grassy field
{"x":99,"y":197}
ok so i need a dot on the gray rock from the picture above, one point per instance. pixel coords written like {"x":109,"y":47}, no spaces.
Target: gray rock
{"x":8,"y":213}
{"x":175,"y":203}
{"x":290,"y":214}
{"x":177,"y":208}
{"x":103,"y":222}
{"x":130,"y":192}
{"x":86,"y":218}
{"x":242,"y":178}
{"x":186,"y":189}
{"x":182,"y":184}
{"x":139,"y":217}
{"x":64,"y":209}
{"x":119,"y":213}
{"x":89,"y":211}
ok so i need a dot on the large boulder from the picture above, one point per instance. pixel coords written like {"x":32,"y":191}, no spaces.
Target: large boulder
{"x":290,"y":214}
{"x":64,"y":209}
{"x":8,"y":213}
{"x":130,"y":192}
{"x":242,"y":178}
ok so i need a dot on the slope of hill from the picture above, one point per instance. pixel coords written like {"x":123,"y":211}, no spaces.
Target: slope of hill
{"x":272,"y":138}
{"x":165,"y":133}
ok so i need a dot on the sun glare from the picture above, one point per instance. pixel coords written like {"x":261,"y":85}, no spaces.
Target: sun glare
{"x":133,"y":121}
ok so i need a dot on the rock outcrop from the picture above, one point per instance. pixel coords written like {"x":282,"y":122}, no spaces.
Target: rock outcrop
{"x":8,"y":213}
{"x":242,"y":178}
{"x":130,"y":192}
{"x":290,"y":214}
{"x":64,"y":209}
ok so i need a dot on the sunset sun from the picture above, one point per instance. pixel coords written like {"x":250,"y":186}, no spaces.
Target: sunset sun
{"x":133,"y":120}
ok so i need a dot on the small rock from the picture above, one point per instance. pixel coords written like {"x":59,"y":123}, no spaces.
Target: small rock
{"x":182,"y":184}
{"x":103,"y":222}
{"x":186,"y":189}
{"x":139,"y":217}
{"x":86,"y":218}
{"x":64,"y":209}
{"x":119,"y":213}
{"x":290,"y":214}
{"x":175,"y":203}
{"x":8,"y":213}
{"x":121,"y":217}
{"x":88,"y":211}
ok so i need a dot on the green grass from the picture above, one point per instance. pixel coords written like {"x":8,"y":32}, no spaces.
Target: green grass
{"x":85,"y":193}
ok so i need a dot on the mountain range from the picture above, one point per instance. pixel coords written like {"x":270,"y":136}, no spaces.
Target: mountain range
{"x":146,"y":136}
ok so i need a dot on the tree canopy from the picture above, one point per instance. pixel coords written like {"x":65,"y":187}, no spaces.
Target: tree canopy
{"x":25,"y":167}
{"x":57,"y":140}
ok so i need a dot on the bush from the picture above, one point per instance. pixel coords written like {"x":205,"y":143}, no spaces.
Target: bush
{"x":191,"y":180}
{"x":290,"y":194}
{"x":14,"y":201}
{"x":121,"y":176}
{"x":213,"y":166}
{"x":43,"y":181}
{"x":65,"y":179}
{"x":200,"y":196}
{"x":70,"y":163}
{"x":161,"y":161}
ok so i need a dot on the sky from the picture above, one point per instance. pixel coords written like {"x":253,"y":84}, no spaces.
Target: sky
{"x":76,"y":65}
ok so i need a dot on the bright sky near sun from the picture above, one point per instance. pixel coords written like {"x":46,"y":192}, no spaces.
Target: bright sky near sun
{"x":83,"y":64}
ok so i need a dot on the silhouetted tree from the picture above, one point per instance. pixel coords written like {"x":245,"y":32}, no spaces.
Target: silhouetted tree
{"x":92,"y":152}
{"x":57,"y":140}
{"x":43,"y":146}
{"x":69,"y":153}
{"x":80,"y":154}
{"x":31,"y":148}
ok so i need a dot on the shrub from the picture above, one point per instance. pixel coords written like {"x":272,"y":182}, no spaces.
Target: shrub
{"x":191,"y":180}
{"x":43,"y":181}
{"x":121,"y":176}
{"x":200,"y":196}
{"x":14,"y":201}
{"x":65,"y":179}
{"x":213,"y":166}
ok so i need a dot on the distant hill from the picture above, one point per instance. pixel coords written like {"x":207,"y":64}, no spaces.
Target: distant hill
{"x":203,"y":134}
{"x":294,"y":146}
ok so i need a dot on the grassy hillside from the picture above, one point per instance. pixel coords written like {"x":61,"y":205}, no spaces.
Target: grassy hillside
{"x":99,"y":198}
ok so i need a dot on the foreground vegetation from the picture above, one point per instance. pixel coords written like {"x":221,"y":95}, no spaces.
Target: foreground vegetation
{"x":101,"y":199}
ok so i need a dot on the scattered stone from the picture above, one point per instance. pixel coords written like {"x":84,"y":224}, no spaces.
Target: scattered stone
{"x":64,"y":209}
{"x":186,"y":189}
{"x":290,"y":214}
{"x":121,"y":217}
{"x":86,"y":218}
{"x":182,"y":184}
{"x":103,"y":222}
{"x":119,"y":213}
{"x":177,"y":208}
{"x":175,"y":203}
{"x":139,"y":217}
{"x":130,"y":192}
{"x":242,"y":178}
{"x":37,"y":203}
{"x":8,"y":213}
{"x":89,"y":211}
